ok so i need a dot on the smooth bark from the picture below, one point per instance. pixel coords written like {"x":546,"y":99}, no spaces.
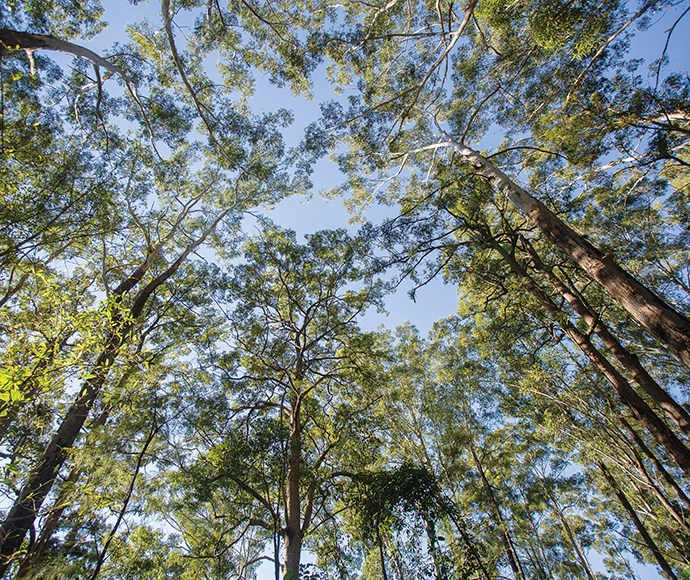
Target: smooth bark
{"x":658,"y":317}
{"x":17,"y":40}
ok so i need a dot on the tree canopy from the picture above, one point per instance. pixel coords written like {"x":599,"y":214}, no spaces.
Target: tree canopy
{"x":186,"y":388}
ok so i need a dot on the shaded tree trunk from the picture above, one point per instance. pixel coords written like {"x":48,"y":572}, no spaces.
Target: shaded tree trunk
{"x":42,"y":477}
{"x":639,"y":407}
{"x":37,"y":551}
{"x":673,"y":510}
{"x":663,"y":564}
{"x":628,"y":360}
{"x":23,"y":513}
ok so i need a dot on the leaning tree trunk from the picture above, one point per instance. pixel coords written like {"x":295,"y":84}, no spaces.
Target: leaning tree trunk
{"x":23,"y":513}
{"x":658,"y":317}
{"x":668,"y":478}
{"x":663,"y":564}
{"x":675,"y":511}
{"x":37,"y":551}
{"x":42,"y":477}
{"x":641,"y":410}
{"x":628,"y":360}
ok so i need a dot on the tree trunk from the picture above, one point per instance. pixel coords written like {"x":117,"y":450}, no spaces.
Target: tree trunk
{"x":641,"y":410}
{"x":37,"y":551}
{"x":673,"y":510}
{"x":663,"y":564}
{"x":574,"y":541}
{"x":460,"y":526}
{"x":17,"y":40}
{"x":659,"y":318}
{"x":657,"y":464}
{"x":23,"y":513}
{"x":432,"y":542}
{"x":628,"y":360}
{"x":293,"y":531}
{"x":508,"y":545}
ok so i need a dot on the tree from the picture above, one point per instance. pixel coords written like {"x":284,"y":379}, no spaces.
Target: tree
{"x":403,"y":83}
{"x":118,"y":173}
{"x":296,"y":388}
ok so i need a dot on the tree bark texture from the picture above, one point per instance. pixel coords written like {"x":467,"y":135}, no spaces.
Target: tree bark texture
{"x":658,"y":317}
{"x":16,"y":40}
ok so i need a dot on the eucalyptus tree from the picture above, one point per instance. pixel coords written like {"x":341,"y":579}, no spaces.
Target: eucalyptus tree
{"x":508,"y":504}
{"x":570,"y":406}
{"x":430,"y":80}
{"x":289,"y":404}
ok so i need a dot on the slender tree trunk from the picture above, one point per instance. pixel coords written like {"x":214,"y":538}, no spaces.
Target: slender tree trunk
{"x":128,"y":496}
{"x":432,"y":541}
{"x":38,"y":549}
{"x":663,"y":564}
{"x":641,"y":410}
{"x":574,"y":541}
{"x":508,"y":545}
{"x":659,"y":318}
{"x":540,"y":556}
{"x":657,"y":464}
{"x":628,"y":360}
{"x":293,"y":531}
{"x":469,"y":543}
{"x":672,"y":509}
{"x":379,"y":543}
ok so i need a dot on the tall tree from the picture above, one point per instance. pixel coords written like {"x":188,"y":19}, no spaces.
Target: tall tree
{"x":296,"y":386}
{"x":501,"y":58}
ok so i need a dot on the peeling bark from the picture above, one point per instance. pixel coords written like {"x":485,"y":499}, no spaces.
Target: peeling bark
{"x":658,"y":317}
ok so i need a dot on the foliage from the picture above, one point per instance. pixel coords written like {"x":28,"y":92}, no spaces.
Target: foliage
{"x":179,"y":398}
